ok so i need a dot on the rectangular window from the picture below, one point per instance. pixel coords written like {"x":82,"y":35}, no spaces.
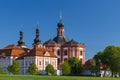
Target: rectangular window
{"x":65,"y":52}
{"x":81,"y":53}
{"x":46,"y":63}
{"x":58,"y":52}
{"x":58,"y":61}
{"x":25,"y":63}
{"x":39,"y":62}
{"x":73,"y":51}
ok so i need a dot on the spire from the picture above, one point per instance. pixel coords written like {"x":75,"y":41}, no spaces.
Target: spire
{"x":60,"y":24}
{"x":60,"y":16}
{"x":21,"y":41}
{"x":37,"y":31}
{"x":37,"y":40}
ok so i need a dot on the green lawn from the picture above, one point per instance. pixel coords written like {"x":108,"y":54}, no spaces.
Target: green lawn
{"x":28,"y":77}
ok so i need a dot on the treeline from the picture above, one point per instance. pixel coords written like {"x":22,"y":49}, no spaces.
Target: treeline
{"x":107,"y":60}
{"x":72,"y":66}
{"x":32,"y":70}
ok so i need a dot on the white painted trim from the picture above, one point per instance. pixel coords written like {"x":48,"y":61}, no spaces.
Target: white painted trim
{"x":80,"y":57}
{"x":65,"y":48}
{"x":65,"y":56}
{"x":81,"y":48}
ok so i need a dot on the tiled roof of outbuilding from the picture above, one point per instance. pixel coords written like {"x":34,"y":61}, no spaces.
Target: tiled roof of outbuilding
{"x":12,"y":50}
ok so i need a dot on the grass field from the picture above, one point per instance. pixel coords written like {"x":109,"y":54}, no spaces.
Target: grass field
{"x":28,"y":77}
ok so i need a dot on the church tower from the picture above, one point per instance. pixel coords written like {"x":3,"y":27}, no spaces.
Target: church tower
{"x":37,"y":41}
{"x":21,"y":42}
{"x":60,"y":38}
{"x":60,"y":29}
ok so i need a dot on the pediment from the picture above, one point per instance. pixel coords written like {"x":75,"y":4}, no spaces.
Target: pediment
{"x":46,"y":54}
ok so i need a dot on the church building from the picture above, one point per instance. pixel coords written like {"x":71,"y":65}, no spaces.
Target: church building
{"x":64,"y":48}
{"x":54,"y":51}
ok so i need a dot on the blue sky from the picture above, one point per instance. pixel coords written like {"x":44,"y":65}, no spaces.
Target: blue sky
{"x":93,"y":22}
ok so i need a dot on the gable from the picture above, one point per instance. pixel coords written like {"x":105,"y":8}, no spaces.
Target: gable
{"x":46,"y":54}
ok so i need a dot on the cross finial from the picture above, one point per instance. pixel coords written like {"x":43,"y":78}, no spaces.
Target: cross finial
{"x":60,"y":16}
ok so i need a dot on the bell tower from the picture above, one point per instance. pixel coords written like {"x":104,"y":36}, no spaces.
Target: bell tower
{"x":37,"y":41}
{"x":21,"y":42}
{"x":60,"y":29}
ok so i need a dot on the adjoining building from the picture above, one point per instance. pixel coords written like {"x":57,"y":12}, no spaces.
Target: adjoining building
{"x":38,"y":54}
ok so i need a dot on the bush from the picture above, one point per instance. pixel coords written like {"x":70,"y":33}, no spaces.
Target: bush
{"x":14,"y":68}
{"x":66,"y":70}
{"x":76,"y":66}
{"x":33,"y":69}
{"x":50,"y":69}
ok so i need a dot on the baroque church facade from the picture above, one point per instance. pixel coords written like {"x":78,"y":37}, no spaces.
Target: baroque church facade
{"x":54,"y":51}
{"x":64,"y":48}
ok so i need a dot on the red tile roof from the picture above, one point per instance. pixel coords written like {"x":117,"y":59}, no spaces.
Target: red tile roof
{"x":12,"y":50}
{"x":40,"y":51}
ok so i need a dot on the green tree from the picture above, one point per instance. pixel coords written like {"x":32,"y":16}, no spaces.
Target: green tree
{"x":93,"y":67}
{"x":33,"y":69}
{"x":15,"y":67}
{"x":79,"y":68}
{"x":111,"y":58}
{"x":76,"y":66}
{"x":66,"y":68}
{"x":50,"y":69}
{"x":9,"y":68}
{"x":97,"y":60}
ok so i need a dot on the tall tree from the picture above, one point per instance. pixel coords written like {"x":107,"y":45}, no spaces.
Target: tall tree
{"x":76,"y":66}
{"x":9,"y":68}
{"x":15,"y":67}
{"x":97,"y":60}
{"x":66,"y":68}
{"x":93,"y":67}
{"x":50,"y":69}
{"x":111,"y":58}
{"x":33,"y":69}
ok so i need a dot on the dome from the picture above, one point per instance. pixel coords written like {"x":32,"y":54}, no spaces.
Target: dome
{"x":37,"y":41}
{"x":60,"y":39}
{"x":72,"y":42}
{"x":21,"y":43}
{"x":50,"y":41}
{"x":60,"y":24}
